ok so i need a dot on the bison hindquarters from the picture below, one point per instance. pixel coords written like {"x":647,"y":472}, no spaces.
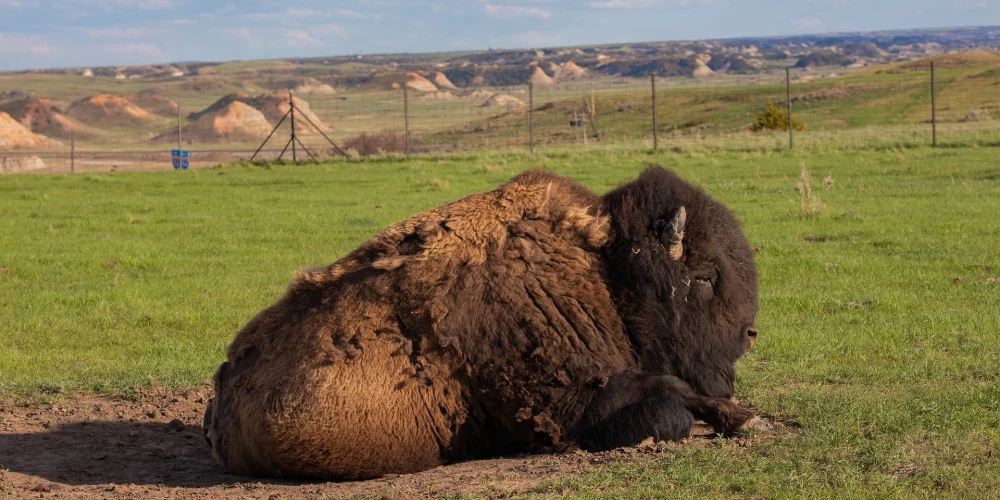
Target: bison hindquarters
{"x":294,"y":415}
{"x":634,"y":407}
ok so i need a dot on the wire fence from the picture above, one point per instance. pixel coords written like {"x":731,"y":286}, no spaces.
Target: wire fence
{"x":900,"y":106}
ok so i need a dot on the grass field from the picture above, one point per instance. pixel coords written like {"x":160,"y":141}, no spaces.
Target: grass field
{"x":880,"y":318}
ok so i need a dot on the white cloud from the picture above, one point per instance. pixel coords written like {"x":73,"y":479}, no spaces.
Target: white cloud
{"x":645,"y":4}
{"x":299,"y":37}
{"x":330,"y":29}
{"x":147,"y":4}
{"x":117,"y":33}
{"x":509,"y":11}
{"x":246,"y":35}
{"x":622,"y":4}
{"x":305,"y":13}
{"x":16,"y":43}
{"x":973,"y":6}
{"x":353,"y":14}
{"x":809,"y":23}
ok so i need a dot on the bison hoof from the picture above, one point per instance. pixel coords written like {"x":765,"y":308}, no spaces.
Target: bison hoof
{"x":756,"y":424}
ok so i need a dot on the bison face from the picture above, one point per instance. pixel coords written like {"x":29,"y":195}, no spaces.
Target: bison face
{"x":684,"y":279}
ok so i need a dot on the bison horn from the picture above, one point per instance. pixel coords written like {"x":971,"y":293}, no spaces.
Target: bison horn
{"x":672,"y":236}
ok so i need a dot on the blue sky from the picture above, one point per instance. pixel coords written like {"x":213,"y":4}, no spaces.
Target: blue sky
{"x":78,"y":33}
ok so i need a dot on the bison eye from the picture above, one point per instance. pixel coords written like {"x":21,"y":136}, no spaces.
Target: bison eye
{"x":703,"y":281}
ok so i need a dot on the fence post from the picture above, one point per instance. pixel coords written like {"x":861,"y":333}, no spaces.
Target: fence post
{"x":933,"y":110}
{"x":291,"y":109}
{"x":72,"y":150}
{"x":406,"y":120}
{"x":788,"y":104}
{"x":179,"y":127}
{"x":531,"y":117}
{"x":652,"y":80}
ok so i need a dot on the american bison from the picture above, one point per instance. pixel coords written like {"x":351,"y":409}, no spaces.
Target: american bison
{"x":537,"y":317}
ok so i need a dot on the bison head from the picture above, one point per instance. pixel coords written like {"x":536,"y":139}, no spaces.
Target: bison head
{"x":684,"y":278}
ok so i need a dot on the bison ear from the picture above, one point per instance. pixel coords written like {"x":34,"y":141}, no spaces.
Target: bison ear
{"x":672,"y":236}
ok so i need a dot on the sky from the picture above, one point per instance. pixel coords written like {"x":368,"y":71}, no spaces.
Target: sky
{"x":88,"y":33}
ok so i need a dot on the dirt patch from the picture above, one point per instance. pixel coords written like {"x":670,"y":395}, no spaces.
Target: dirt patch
{"x":151,"y":446}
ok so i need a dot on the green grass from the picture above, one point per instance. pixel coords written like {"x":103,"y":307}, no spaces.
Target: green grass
{"x":879,"y":329}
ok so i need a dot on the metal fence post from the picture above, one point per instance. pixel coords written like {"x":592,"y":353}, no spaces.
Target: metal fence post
{"x":652,"y":80}
{"x":933,"y":109}
{"x":179,"y":127}
{"x":406,"y":120}
{"x":72,"y":150}
{"x":291,"y":109}
{"x":531,"y":117}
{"x":788,"y":104}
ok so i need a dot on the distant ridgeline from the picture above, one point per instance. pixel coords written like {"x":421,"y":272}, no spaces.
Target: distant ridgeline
{"x":499,"y":68}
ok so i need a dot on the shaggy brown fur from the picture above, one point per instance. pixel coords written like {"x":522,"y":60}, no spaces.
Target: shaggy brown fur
{"x":490,"y":325}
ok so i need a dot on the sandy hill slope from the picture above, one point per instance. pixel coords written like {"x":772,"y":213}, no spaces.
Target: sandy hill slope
{"x":502,"y":100}
{"x":702,"y":69}
{"x":154,"y":104}
{"x":273,"y":107}
{"x":301,"y":86}
{"x":40,"y":115}
{"x":108,"y":110}
{"x":18,"y":164}
{"x":441,"y":95}
{"x":540,"y":79}
{"x":234,"y":122}
{"x":221,"y":104}
{"x":442,"y":81}
{"x":417,"y":82}
{"x":570,"y":71}
{"x":13,"y":135}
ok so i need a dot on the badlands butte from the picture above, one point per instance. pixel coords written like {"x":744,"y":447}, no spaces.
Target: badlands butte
{"x":237,"y":104}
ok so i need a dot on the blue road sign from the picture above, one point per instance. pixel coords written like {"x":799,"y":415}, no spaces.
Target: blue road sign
{"x":180,"y":159}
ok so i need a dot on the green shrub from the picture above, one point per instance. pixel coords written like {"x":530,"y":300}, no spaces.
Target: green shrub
{"x":775,"y":118}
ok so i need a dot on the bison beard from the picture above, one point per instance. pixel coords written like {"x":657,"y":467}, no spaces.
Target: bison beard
{"x":536,"y":317}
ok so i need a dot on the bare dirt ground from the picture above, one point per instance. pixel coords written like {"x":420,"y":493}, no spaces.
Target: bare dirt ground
{"x":151,"y":446}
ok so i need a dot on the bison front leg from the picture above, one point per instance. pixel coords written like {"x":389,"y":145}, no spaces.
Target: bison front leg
{"x":633,"y":407}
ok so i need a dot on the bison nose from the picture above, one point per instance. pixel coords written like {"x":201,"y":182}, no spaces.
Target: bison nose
{"x":752,"y":335}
